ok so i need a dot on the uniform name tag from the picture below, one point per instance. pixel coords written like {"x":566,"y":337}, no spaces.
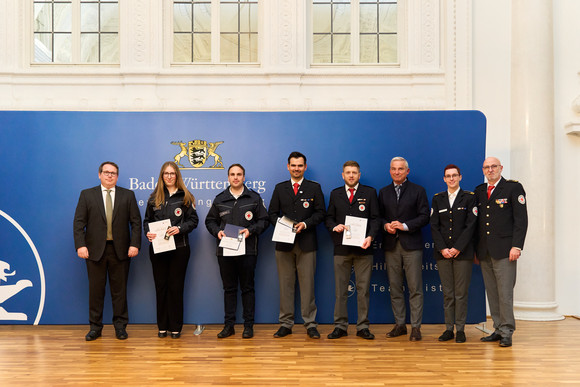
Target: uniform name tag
{"x":443,"y":210}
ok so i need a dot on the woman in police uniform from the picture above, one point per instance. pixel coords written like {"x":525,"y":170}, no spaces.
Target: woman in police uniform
{"x":453,"y":223}
{"x":170,"y":200}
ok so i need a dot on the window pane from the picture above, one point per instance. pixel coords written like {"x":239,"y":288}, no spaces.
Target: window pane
{"x":90,"y":48}
{"x":109,"y":17}
{"x":110,"y":48}
{"x":368,"y":49}
{"x":248,"y":48}
{"x":388,"y":18}
{"x":368,"y":18}
{"x":42,"y":48}
{"x":182,"y":18}
{"x":388,"y":49}
{"x":249,"y":18}
{"x":202,"y":48}
{"x":321,"y":17}
{"x":202,"y":17}
{"x":182,"y":47}
{"x":341,"y":18}
{"x":62,"y":48}
{"x":229,"y":18}
{"x":321,"y":49}
{"x":229,"y":47}
{"x":341,"y":49}
{"x":89,"y":17}
{"x":62,"y":17}
{"x":42,"y":17}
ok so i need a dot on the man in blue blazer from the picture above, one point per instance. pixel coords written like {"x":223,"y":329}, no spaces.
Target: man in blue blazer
{"x":404,"y":210}
{"x":107,"y":233}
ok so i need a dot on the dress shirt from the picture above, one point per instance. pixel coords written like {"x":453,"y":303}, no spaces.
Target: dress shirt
{"x":104,"y":192}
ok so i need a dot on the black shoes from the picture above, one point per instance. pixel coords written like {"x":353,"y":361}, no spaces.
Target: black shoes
{"x":398,"y":330}
{"x":283,"y":332}
{"x":448,"y":335}
{"x":162,"y":334}
{"x":226,"y":332}
{"x":415,"y":334}
{"x":248,"y":333}
{"x":92,"y":335}
{"x":337,"y":333}
{"x":505,"y":342}
{"x":121,"y":334}
{"x":365,"y":334}
{"x":175,"y":335}
{"x":493,"y":337}
{"x":460,"y":337}
{"x":313,"y":333}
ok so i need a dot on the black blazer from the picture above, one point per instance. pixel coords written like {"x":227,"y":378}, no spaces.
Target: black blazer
{"x":364,"y":205}
{"x":455,"y":226}
{"x":503,"y":219}
{"x":90,"y":222}
{"x":307,"y":206}
{"x":411,"y":209}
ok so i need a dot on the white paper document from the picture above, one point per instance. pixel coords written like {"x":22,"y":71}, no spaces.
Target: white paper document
{"x":233,"y":247}
{"x":160,"y":244}
{"x":355,"y":233}
{"x":284,"y":230}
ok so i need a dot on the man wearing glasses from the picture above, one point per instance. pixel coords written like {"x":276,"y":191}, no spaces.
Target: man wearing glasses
{"x":107,"y":233}
{"x":503,"y":222}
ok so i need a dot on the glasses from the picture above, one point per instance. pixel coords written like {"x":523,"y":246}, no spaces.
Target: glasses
{"x":169,"y":174}
{"x":490,"y":167}
{"x":109,"y":173}
{"x":454,"y":176}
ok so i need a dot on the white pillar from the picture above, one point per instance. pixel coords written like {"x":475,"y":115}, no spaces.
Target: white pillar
{"x":532,"y":154}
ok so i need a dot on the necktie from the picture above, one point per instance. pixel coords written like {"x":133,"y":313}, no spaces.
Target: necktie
{"x":489,"y":189}
{"x":296,"y":185}
{"x":109,"y":214}
{"x":398,"y":191}
{"x":351,"y":190}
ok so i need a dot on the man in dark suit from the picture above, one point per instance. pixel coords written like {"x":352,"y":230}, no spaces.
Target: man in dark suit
{"x":302,"y":201}
{"x":107,"y":232}
{"x":404,"y":211}
{"x":503,"y":223}
{"x":360,"y":201}
{"x":453,"y":224}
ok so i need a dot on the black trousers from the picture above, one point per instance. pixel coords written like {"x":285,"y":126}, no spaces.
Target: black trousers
{"x":234,"y":271}
{"x":117,"y":270}
{"x":169,"y":271}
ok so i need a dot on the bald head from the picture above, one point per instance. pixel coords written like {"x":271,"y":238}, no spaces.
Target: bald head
{"x":492,"y":169}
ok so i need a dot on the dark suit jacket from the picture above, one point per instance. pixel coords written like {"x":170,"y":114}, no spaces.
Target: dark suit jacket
{"x":364,"y":205}
{"x":411,"y":209}
{"x":503,"y":219}
{"x":90,"y":222}
{"x":307,"y":207}
{"x":455,"y":226}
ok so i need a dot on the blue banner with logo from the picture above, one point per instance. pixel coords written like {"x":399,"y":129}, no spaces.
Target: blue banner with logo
{"x":47,"y":158}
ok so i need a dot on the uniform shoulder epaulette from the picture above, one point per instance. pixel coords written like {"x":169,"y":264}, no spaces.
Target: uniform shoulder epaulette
{"x":468,"y":192}
{"x":513,"y":181}
{"x":439,"y":193}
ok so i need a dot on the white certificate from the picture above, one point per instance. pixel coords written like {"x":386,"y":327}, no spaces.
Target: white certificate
{"x":237,"y":248}
{"x":160,"y":244}
{"x":355,"y":233}
{"x":284,"y":230}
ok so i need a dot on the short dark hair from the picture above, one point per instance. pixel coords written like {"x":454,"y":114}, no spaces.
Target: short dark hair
{"x":296,"y":155}
{"x":110,"y":163}
{"x":239,"y":166}
{"x":350,"y":163}
{"x":452,"y":166}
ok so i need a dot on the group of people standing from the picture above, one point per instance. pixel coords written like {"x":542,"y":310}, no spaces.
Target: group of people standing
{"x":488,"y":225}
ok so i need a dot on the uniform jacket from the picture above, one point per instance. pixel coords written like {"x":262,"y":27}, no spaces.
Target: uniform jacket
{"x":454,"y":226}
{"x":411,"y":209}
{"x":90,"y":222}
{"x":503,"y":219}
{"x":248,"y":211}
{"x":184,"y":217}
{"x":364,"y":205}
{"x":307,"y":206}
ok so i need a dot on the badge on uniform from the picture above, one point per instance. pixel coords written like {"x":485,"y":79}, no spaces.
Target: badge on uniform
{"x":501,"y":202}
{"x":475,"y":211}
{"x":249,"y":215}
{"x":361,"y":207}
{"x":522,"y":199}
{"x":178,"y":212}
{"x":305,"y":204}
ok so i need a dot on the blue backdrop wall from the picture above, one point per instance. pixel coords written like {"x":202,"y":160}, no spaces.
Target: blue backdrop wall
{"x":47,"y":158}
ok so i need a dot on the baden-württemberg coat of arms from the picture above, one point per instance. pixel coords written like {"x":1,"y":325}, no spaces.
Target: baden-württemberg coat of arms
{"x":198,"y":151}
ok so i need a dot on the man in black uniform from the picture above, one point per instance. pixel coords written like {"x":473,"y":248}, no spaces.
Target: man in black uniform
{"x":453,"y":223}
{"x":241,"y":207}
{"x":302,"y":201}
{"x":404,"y":211}
{"x":356,"y":200}
{"x":503,"y":223}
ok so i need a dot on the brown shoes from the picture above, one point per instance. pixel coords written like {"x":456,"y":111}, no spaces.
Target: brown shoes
{"x":398,"y":330}
{"x":415,"y":334}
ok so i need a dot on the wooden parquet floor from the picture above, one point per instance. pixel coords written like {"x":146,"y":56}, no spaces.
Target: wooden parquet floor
{"x":544,"y":354}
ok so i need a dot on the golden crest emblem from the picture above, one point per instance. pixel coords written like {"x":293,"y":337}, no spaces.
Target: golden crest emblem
{"x":198,"y":152}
